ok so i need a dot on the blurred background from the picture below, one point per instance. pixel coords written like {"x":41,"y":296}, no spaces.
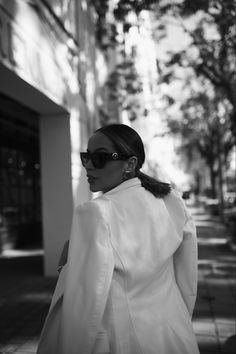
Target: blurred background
{"x":67,"y":67}
{"x":166,"y":68}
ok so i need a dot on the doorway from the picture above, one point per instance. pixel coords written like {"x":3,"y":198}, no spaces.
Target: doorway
{"x":20,"y":181}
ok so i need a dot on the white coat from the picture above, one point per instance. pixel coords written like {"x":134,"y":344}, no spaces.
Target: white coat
{"x":130,"y":283}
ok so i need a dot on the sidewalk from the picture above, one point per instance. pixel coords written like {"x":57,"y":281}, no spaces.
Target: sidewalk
{"x":25,"y":294}
{"x":215,"y":312}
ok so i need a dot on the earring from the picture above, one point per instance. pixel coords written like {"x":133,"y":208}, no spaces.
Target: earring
{"x":126,"y":175}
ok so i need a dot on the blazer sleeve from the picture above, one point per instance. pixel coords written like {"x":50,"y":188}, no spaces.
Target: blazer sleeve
{"x":88,"y":279}
{"x":185,"y":264}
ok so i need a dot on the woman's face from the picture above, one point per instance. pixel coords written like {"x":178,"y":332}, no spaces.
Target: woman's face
{"x":111,"y":175}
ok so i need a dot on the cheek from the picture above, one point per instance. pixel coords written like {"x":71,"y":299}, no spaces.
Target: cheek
{"x":108,"y":178}
{"x":112,"y":172}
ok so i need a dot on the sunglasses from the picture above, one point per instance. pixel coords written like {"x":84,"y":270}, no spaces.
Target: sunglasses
{"x":99,"y":159}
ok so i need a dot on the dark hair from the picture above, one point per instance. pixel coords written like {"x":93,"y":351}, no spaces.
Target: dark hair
{"x":127,"y":141}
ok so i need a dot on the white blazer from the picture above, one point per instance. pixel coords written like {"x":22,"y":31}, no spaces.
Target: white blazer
{"x":130,"y":282}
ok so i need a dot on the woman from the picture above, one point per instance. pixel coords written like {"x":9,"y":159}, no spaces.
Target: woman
{"x":130,"y":282}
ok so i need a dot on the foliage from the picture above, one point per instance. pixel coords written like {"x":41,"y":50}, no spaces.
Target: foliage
{"x":204,"y":128}
{"x":213,"y":40}
{"x":204,"y":125}
{"x":105,"y":30}
{"x":124,"y":85}
{"x":208,"y":122}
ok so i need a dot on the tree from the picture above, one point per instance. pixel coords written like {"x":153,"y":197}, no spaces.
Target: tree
{"x":212,"y":48}
{"x":208,"y":121}
{"x":208,"y":113}
{"x":204,"y":128}
{"x":124,"y":86}
{"x":213,"y":38}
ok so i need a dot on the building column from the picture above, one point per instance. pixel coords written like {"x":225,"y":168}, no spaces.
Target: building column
{"x":56,"y":179}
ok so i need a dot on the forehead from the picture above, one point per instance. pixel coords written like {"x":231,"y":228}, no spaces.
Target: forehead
{"x":100,"y":141}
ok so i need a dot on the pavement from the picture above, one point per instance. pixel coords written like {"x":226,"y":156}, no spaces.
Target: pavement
{"x":25,"y":294}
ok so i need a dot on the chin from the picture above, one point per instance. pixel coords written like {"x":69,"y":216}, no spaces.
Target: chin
{"x":94,"y":189}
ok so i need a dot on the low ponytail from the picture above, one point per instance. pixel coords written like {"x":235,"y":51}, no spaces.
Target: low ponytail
{"x":157,"y":188}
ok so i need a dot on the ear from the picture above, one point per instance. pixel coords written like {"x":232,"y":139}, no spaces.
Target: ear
{"x":131,"y":164}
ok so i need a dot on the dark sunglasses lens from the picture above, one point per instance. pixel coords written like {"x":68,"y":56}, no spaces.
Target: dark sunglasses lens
{"x":98,"y":160}
{"x":84,"y":156}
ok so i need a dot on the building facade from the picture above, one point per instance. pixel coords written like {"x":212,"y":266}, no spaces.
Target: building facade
{"x":50,"y":89}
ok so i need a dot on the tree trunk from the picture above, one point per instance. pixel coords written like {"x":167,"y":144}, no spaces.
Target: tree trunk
{"x":221,"y":183}
{"x":213,"y":181}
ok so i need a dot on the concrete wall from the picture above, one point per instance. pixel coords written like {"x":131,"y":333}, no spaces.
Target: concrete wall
{"x":53,"y":71}
{"x":40,"y":71}
{"x":57,"y":200}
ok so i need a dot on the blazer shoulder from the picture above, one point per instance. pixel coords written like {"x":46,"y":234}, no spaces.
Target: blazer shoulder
{"x":98,"y":206}
{"x":175,"y":204}
{"x":175,"y":198}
